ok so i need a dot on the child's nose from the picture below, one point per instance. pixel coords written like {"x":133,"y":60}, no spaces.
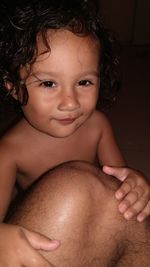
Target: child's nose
{"x":68,"y":101}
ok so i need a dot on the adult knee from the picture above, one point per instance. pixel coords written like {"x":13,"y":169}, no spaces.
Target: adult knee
{"x":69,"y":189}
{"x":75,"y":204}
{"x":73,"y":197}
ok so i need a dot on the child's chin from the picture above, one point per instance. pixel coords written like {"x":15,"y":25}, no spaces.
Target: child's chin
{"x":64,"y":133}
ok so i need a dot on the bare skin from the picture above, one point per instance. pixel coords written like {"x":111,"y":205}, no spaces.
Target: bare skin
{"x":61,"y":124}
{"x":79,"y":209}
{"x":58,"y":116}
{"x":36,"y":159}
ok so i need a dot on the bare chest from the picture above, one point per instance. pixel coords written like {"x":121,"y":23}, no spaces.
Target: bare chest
{"x":37,"y":159}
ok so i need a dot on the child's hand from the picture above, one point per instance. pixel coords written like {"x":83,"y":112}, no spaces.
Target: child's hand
{"x":134,"y":192}
{"x":18,"y":247}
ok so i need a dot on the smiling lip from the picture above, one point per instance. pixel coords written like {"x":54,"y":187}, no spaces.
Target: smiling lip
{"x":67,"y":121}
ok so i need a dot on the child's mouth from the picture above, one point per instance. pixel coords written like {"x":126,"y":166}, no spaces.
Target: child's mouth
{"x":67,"y":121}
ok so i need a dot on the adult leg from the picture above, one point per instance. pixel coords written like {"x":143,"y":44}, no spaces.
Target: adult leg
{"x":75,"y":204}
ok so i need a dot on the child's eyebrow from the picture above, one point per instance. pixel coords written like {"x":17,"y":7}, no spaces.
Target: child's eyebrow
{"x":92,"y":73}
{"x":36,"y":74}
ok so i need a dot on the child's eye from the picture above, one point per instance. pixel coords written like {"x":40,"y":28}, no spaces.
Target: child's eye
{"x":85,"y":83}
{"x":50,"y":84}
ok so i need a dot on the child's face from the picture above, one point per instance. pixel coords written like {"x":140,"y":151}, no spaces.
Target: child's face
{"x":64,"y":83}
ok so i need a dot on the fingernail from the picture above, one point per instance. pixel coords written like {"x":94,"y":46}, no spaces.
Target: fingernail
{"x":140,"y":218}
{"x":128,"y":215}
{"x":55,"y":242}
{"x":122,"y":208}
{"x":118,"y":195}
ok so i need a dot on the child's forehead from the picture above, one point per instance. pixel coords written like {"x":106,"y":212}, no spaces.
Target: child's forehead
{"x":63,"y":37}
{"x":64,"y":48}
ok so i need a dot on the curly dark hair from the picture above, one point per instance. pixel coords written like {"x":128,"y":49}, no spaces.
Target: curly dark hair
{"x":19,"y":27}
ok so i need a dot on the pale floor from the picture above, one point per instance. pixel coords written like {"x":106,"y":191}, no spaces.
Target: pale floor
{"x":130,"y":116}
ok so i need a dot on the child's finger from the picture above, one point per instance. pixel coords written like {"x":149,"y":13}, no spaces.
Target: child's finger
{"x":136,"y":208}
{"x":131,"y":198}
{"x":128,"y":201}
{"x":32,"y":258}
{"x":144,"y":214}
{"x":125,"y":188}
{"x":118,"y":172}
{"x":39,"y":241}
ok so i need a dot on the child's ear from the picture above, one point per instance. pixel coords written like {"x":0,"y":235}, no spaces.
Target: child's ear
{"x":11,"y":90}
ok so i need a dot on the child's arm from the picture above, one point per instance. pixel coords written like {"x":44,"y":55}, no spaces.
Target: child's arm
{"x":134,"y":193}
{"x":18,"y":246}
{"x":108,"y":150}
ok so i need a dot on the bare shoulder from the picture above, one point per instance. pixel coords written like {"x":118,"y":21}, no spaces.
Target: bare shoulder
{"x":11,"y":142}
{"x":99,"y":115}
{"x":100,"y":121}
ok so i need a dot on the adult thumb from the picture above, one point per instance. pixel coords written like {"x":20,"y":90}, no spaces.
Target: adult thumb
{"x":40,"y":242}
